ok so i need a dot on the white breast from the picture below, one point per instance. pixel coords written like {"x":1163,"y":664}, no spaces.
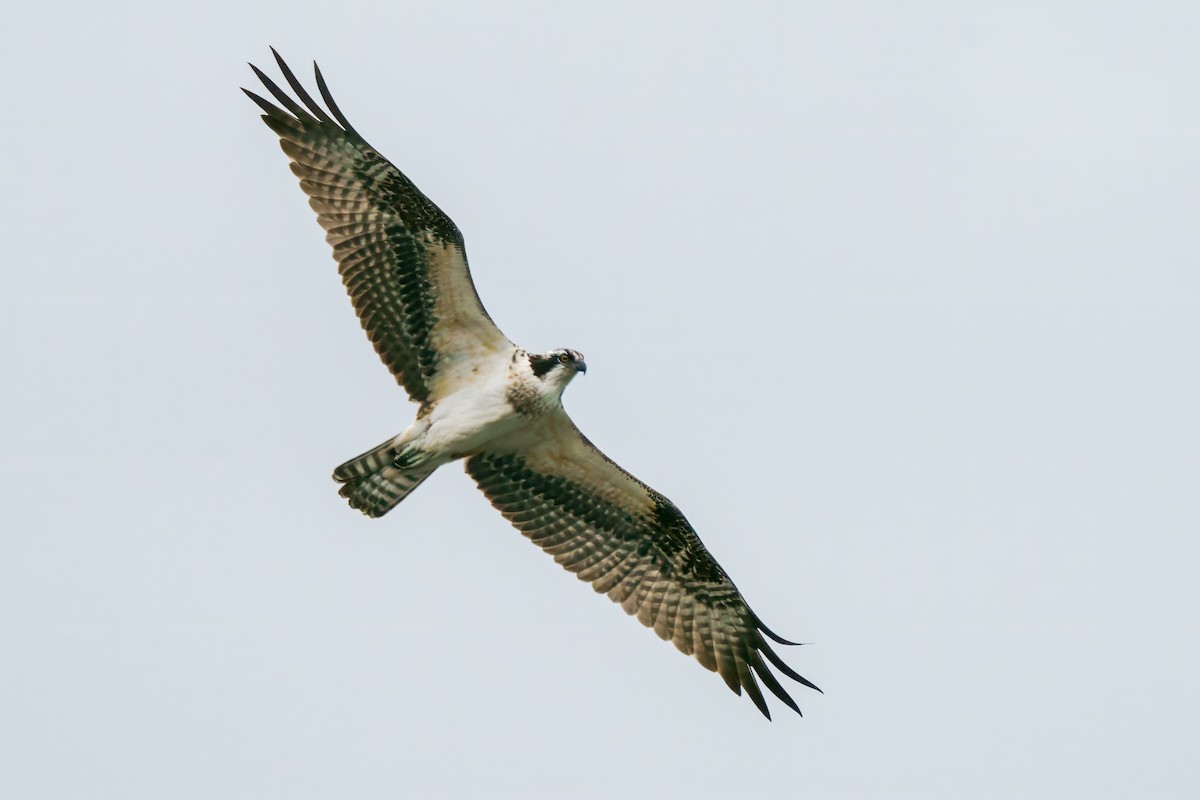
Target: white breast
{"x":477,"y":412}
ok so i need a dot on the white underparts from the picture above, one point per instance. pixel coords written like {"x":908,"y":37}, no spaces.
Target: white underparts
{"x":492,"y":399}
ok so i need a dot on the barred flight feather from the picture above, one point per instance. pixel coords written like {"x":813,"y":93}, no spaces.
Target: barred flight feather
{"x":398,"y":254}
{"x":634,"y":545}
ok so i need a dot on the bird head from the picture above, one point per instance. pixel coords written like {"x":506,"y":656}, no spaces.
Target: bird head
{"x":558,"y":367}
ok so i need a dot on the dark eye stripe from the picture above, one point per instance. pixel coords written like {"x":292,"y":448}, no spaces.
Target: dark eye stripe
{"x":541,"y":364}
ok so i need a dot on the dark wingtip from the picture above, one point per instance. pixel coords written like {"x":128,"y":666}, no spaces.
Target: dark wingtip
{"x":323,"y":89}
{"x":282,"y":97}
{"x":264,"y":104}
{"x":773,"y":684}
{"x":775,"y":636}
{"x":782,"y":666}
{"x":278,"y":58}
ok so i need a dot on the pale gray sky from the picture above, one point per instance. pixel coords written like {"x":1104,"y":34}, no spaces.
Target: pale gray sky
{"x":898,"y":302}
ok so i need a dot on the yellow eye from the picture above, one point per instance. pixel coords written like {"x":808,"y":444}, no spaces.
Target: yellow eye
{"x":564,"y":358}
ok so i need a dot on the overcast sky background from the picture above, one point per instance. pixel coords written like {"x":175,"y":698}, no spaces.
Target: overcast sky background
{"x":898,"y":302}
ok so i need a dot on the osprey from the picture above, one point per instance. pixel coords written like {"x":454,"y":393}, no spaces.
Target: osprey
{"x":495,"y":405}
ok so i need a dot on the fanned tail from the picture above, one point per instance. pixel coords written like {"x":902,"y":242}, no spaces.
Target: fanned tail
{"x":374,"y":484}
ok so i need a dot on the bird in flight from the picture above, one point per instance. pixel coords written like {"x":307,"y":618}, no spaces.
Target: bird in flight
{"x":498,"y":407}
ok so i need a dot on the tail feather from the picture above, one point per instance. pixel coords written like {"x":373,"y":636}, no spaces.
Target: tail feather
{"x":371,"y":461}
{"x":374,"y":484}
{"x":380,"y":492}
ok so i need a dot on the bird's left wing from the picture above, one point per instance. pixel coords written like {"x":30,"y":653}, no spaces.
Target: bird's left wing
{"x":632,"y":544}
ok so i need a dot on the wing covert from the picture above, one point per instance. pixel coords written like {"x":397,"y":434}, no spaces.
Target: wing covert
{"x":402,"y":260}
{"x":633,"y":544}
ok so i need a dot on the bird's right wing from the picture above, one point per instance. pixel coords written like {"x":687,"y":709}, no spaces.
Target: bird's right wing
{"x":402,"y":260}
{"x":631,"y":543}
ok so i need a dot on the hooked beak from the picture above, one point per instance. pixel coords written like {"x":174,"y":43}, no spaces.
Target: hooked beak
{"x":581,"y":366}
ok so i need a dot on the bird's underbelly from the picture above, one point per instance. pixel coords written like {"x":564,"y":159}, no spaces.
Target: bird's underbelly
{"x":463,"y":423}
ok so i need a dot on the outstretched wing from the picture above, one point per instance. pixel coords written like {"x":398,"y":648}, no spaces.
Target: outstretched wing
{"x":632,"y":544}
{"x":402,"y":260}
